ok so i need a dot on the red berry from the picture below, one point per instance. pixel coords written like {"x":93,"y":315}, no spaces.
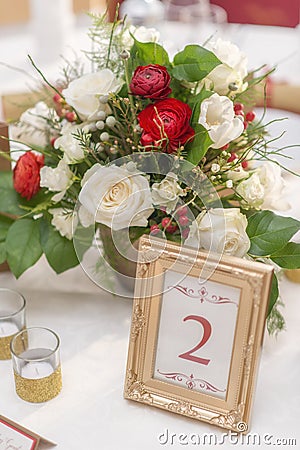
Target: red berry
{"x":57,"y":98}
{"x":183,"y":220}
{"x":52,"y":141}
{"x":238,"y":107}
{"x":232,"y":157}
{"x":165,"y":222}
{"x":239,"y":113}
{"x":154,"y":229}
{"x":250,"y":116}
{"x":245,"y":164}
{"x":171,"y":229}
{"x":182,"y":211}
{"x":185,"y":233}
{"x":225,"y":147}
{"x":70,"y":116}
{"x":245,"y":125}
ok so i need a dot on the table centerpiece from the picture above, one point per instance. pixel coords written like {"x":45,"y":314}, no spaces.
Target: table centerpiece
{"x":138,"y":143}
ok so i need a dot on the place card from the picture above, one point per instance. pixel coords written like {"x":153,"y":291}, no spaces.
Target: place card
{"x":14,"y":436}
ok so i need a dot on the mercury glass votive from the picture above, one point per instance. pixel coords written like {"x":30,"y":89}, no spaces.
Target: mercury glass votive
{"x":12,"y":319}
{"x":36,"y":364}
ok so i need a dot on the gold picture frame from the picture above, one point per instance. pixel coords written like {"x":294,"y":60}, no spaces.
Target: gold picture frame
{"x":178,"y":304}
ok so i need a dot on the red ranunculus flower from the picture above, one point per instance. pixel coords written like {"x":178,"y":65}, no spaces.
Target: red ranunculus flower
{"x":27,"y":174}
{"x":166,"y":124}
{"x":151,"y":81}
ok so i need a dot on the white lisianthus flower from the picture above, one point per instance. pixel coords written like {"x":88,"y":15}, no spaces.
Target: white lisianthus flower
{"x":218,"y":117}
{"x":233,"y":69}
{"x":237,"y":174}
{"x":271,"y":179}
{"x":63,"y":221}
{"x":57,"y":179}
{"x":166,"y":192}
{"x":85,"y":217}
{"x":83,"y":93}
{"x":73,"y":152}
{"x":141,"y":34}
{"x":251,"y":191}
{"x":33,"y":127}
{"x":116,"y":196}
{"x":221,"y":231}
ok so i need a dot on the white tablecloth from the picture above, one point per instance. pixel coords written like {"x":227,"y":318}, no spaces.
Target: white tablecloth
{"x":90,"y":413}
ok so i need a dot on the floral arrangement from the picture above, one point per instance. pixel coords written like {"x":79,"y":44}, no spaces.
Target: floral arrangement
{"x":86,"y":139}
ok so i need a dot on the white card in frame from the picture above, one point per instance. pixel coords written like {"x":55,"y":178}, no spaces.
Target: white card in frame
{"x":196,"y":334}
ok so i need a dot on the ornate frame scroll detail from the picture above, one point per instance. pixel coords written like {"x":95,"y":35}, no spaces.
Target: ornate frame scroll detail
{"x":232,"y":409}
{"x":137,"y":323}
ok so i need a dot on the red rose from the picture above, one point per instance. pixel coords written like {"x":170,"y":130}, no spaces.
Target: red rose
{"x":151,"y":81}
{"x":27,"y":174}
{"x":166,"y":124}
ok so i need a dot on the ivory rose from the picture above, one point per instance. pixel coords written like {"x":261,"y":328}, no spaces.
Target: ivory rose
{"x":222,"y":231}
{"x":218,"y":117}
{"x":116,"y":196}
{"x":83,"y":93}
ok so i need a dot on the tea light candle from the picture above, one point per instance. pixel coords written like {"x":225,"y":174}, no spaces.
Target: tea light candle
{"x":36,"y":364}
{"x":12,"y":319}
{"x":8,"y":328}
{"x":36,"y":370}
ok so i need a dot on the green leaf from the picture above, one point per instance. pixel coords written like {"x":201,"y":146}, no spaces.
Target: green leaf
{"x":2,"y":252}
{"x":268,"y":233}
{"x":273,"y":294}
{"x":9,"y":199}
{"x":288,"y":257}
{"x":200,"y":144}
{"x":5,"y":223}
{"x":144,"y":53}
{"x":59,"y":251}
{"x":194,"y":63}
{"x":23,"y":245}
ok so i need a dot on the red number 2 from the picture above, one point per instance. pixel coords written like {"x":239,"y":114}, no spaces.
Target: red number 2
{"x":206,"y":335}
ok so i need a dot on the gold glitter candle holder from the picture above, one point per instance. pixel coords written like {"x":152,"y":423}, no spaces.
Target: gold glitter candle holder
{"x":12,"y":319}
{"x":36,"y":364}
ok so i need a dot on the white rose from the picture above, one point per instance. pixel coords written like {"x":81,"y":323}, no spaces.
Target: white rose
{"x":166,"y":192}
{"x":252,"y":191}
{"x":222,"y":231}
{"x":233,"y":69}
{"x":218,"y":117}
{"x":142,"y":34}
{"x":57,"y":179}
{"x":63,"y":221}
{"x":83,"y":93}
{"x":73,"y":152}
{"x":116,"y":196}
{"x":270,"y":177}
{"x":33,"y":127}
